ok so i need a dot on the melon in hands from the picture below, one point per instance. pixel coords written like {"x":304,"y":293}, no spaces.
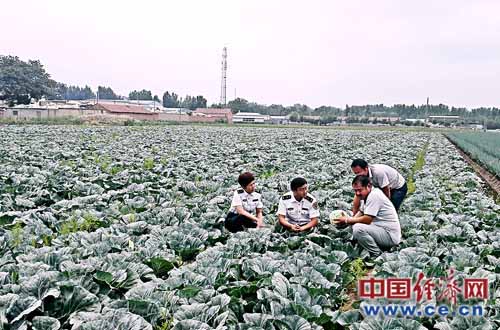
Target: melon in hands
{"x":334,"y":215}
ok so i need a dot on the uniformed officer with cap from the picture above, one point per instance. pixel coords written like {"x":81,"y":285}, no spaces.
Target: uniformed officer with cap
{"x":246,"y":206}
{"x":298,"y":210}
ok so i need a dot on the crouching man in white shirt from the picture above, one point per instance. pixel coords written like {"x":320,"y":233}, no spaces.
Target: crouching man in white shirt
{"x":376,"y":225}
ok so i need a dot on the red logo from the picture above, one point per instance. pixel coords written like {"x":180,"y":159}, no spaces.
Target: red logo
{"x":371,"y":288}
{"x":475,"y":288}
{"x":399,"y":288}
{"x":425,"y":289}
{"x":451,"y":288}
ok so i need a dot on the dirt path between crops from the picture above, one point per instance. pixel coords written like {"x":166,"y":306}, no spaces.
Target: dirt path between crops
{"x":351,"y":292}
{"x":490,"y":179}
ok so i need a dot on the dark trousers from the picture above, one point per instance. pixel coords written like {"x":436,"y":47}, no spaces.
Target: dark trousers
{"x":236,"y":222}
{"x":397,"y":196}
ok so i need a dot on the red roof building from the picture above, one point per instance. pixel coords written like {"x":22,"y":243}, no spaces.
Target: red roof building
{"x":223,"y":114}
{"x":126,"y":110}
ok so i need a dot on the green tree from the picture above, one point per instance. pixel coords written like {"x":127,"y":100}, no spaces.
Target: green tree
{"x":201,"y":102}
{"x":276,"y":110}
{"x":239,"y":105}
{"x":189,"y":102}
{"x":87,"y":93}
{"x":327,"y":111}
{"x":295,"y":116}
{"x":143,"y":95}
{"x":106,"y":93}
{"x":63,"y":92}
{"x":171,"y":100}
{"x":192,"y":102}
{"x":20,"y":81}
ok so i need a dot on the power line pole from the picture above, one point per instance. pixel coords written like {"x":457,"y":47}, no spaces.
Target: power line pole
{"x":224,"y":74}
{"x":426,"y":111}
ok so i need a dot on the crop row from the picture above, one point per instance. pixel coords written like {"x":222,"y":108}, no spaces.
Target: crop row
{"x":483,"y":147}
{"x":121,"y":227}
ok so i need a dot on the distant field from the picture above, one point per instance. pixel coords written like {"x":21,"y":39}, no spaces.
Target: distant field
{"x":483,"y":147}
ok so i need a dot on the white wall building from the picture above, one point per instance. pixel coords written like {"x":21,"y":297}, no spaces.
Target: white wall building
{"x":250,"y":117}
{"x":279,"y":120}
{"x":149,"y":105}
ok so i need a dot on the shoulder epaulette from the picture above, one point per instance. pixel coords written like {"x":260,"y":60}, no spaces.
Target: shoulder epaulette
{"x":240,"y":191}
{"x":309,"y":198}
{"x":287,"y":196}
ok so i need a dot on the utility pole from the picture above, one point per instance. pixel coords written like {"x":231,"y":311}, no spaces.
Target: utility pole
{"x":426,"y":112}
{"x":224,"y":74}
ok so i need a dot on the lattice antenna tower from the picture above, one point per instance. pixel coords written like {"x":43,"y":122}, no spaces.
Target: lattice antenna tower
{"x":224,"y":75}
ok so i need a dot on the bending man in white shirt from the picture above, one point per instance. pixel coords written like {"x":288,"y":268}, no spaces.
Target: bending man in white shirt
{"x":389,"y":180}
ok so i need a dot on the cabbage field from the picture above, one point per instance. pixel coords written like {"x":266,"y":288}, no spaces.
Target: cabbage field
{"x":483,"y":147}
{"x":122,"y":228}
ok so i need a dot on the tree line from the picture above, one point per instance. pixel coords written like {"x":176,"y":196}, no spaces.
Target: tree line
{"x":370,"y":110}
{"x":22,"y":81}
{"x":362,"y":113}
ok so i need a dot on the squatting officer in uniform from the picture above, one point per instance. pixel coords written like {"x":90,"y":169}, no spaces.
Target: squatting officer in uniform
{"x":298,"y":210}
{"x":246,"y":206}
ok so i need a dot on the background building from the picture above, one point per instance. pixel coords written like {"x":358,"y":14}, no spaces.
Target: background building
{"x":224,"y":115}
{"x":250,"y":117}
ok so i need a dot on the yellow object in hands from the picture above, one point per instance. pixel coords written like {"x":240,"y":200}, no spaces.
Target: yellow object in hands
{"x":335,"y":215}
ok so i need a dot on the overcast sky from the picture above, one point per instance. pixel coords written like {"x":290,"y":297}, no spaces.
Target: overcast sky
{"x":284,"y":52}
